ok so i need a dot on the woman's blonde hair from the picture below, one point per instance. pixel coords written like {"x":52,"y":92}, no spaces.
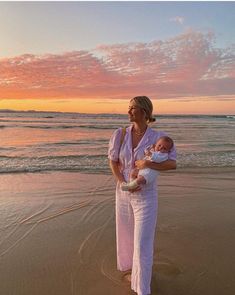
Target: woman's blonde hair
{"x":145,"y":103}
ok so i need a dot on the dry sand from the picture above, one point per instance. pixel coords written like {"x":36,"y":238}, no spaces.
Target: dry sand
{"x":57,"y":234}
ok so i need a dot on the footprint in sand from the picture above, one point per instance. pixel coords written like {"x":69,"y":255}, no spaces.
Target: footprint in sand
{"x":167,"y":268}
{"x":165,"y":228}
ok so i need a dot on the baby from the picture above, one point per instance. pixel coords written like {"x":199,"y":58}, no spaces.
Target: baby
{"x":158,"y":153}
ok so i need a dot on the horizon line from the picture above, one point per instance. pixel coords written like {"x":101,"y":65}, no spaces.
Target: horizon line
{"x":60,"y":112}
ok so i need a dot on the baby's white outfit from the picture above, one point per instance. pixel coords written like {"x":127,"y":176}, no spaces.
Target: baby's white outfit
{"x":151,"y":174}
{"x":148,"y":174}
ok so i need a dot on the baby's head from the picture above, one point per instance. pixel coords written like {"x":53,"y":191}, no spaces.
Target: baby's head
{"x":164,"y":144}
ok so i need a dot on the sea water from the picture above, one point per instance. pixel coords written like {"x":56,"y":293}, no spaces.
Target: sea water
{"x":45,"y":141}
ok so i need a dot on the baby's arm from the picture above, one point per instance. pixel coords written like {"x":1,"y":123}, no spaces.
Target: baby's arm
{"x":148,"y":153}
{"x":149,"y":150}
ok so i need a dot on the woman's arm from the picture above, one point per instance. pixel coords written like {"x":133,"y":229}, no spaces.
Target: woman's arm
{"x":163,"y":166}
{"x":115,"y":170}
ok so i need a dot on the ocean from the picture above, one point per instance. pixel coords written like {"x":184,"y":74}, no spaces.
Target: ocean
{"x":45,"y":141}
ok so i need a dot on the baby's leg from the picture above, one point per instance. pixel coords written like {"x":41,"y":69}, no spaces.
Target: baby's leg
{"x":133,"y":184}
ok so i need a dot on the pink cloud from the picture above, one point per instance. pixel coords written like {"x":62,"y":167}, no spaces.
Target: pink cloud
{"x":188,"y":64}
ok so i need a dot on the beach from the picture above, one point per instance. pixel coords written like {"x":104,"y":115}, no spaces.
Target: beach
{"x":58,"y":234}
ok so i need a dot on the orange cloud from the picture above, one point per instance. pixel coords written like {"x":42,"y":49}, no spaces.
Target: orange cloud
{"x":187,"y":65}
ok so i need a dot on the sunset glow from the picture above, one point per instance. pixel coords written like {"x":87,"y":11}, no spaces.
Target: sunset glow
{"x":120,"y":106}
{"x":189,"y":72}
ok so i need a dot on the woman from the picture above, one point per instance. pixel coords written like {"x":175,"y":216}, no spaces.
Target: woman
{"x":136,"y":210}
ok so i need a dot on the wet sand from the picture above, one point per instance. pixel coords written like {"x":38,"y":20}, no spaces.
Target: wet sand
{"x":58,"y":234}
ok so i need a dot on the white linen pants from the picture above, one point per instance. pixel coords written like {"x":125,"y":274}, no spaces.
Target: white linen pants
{"x":136,"y":218}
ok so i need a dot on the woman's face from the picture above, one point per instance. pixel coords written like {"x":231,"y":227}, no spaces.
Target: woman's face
{"x":136,"y":114}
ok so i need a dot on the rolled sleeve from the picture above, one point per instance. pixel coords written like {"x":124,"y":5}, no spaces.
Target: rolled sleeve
{"x":114,"y":145}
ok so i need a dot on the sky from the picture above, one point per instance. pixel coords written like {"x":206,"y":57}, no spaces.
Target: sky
{"x":94,"y":56}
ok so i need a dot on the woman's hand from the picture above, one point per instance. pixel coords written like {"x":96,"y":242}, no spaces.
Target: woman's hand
{"x":141,"y":164}
{"x":116,"y":172}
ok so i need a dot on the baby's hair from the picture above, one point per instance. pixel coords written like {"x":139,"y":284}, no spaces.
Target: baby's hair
{"x":168,"y":139}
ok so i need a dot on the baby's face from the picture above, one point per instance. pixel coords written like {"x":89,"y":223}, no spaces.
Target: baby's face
{"x":162,"y":146}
